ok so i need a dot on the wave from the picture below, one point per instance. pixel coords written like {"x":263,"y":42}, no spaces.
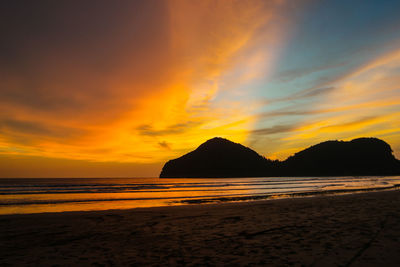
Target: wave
{"x":210,"y":198}
{"x":286,"y":195}
{"x":139,"y":190}
{"x":131,"y":187}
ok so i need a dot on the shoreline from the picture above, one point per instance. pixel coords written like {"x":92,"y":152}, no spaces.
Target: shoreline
{"x":353,"y":229}
{"x":228,"y":199}
{"x":277,"y":196}
{"x":245,"y":200}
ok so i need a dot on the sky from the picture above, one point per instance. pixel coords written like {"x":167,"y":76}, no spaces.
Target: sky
{"x":115,"y":89}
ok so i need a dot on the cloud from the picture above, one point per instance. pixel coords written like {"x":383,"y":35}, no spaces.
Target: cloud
{"x":165,"y":145}
{"x":34,"y":132}
{"x":363,"y":102}
{"x":316,"y":92}
{"x":66,"y":60}
{"x":106,"y":83}
{"x":359,"y":122}
{"x":179,"y":128}
{"x":304,"y":94}
{"x":273,"y":130}
{"x":292,"y":74}
{"x":26,"y":127}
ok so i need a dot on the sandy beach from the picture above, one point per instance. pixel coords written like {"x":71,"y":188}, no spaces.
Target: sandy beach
{"x":345,"y":230}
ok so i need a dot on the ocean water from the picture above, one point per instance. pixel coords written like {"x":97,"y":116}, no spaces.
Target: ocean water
{"x":19,"y":196}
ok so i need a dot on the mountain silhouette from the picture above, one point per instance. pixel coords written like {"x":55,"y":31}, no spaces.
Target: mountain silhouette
{"x":219,"y":157}
{"x":362,"y":156}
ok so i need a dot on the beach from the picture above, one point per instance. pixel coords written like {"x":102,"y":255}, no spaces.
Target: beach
{"x":331,"y":230}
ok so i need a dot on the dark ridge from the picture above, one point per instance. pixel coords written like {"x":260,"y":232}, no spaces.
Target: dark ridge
{"x":219,"y":157}
{"x":362,"y":156}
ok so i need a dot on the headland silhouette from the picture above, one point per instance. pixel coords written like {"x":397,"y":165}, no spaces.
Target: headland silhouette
{"x":221,"y":158}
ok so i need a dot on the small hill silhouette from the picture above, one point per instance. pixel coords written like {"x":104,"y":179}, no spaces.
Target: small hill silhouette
{"x":219,"y":157}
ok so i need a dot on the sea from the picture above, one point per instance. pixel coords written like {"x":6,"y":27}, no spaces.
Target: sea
{"x":39,"y":195}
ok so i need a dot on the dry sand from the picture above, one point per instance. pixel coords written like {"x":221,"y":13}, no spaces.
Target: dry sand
{"x":357,"y":230}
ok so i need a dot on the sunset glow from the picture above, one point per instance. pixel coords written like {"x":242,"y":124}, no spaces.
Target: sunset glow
{"x":116,"y":90}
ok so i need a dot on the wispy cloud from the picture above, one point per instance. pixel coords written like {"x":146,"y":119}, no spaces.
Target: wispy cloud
{"x":277,"y":129}
{"x":292,"y":74}
{"x":305,"y":94}
{"x":179,"y":128}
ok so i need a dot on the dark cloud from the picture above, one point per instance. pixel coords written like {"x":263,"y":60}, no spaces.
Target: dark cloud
{"x":178,"y":128}
{"x":273,"y":130}
{"x":26,"y":127}
{"x":292,"y":74}
{"x":164,"y":145}
{"x":18,"y":129}
{"x":316,"y":92}
{"x":283,"y":113}
{"x":305,"y":94}
{"x":32,"y":97}
{"x":69,"y":57}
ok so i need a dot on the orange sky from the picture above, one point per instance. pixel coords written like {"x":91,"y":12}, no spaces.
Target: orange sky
{"x":116,"y":90}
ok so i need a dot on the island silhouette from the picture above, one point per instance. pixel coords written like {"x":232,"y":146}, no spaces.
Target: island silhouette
{"x":221,"y":158}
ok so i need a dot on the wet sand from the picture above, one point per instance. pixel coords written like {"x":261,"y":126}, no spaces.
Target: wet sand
{"x":345,"y":230}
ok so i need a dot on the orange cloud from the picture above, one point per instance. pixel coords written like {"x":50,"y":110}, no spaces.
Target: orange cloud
{"x":143,"y":88}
